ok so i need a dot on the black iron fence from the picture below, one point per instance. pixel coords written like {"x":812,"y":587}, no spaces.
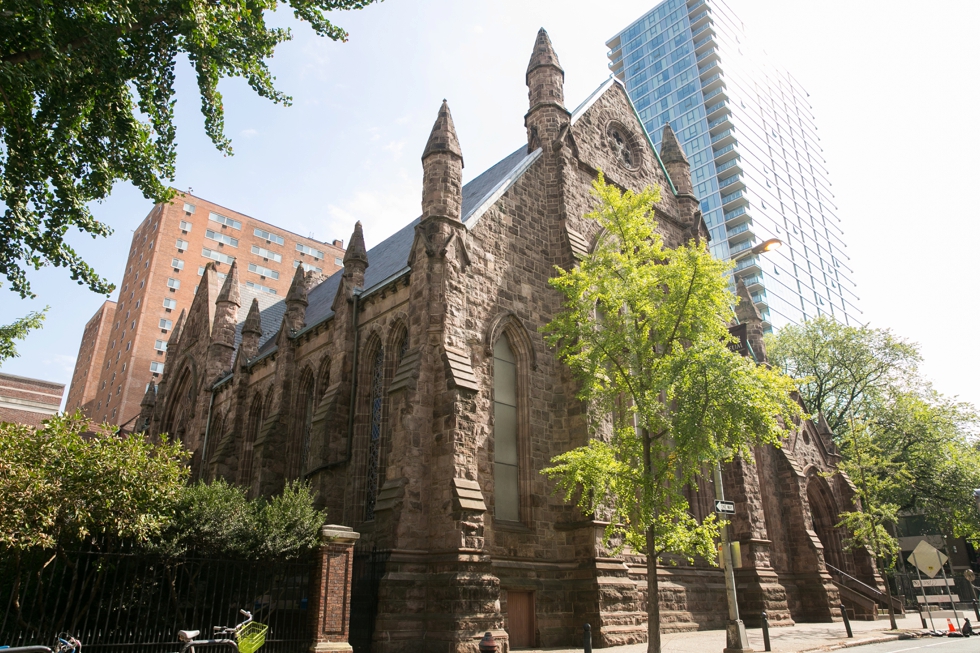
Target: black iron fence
{"x":136,"y":602}
{"x":904,"y":585}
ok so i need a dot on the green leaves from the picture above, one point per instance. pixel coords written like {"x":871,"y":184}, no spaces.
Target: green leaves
{"x":644,"y":328}
{"x":87,"y":98}
{"x":18,"y":330}
{"x":63,"y":484}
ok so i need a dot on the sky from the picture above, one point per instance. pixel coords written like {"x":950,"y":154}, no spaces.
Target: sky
{"x":888,"y":81}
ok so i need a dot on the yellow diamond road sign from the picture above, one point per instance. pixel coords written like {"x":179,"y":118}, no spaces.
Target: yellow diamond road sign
{"x":927,"y":558}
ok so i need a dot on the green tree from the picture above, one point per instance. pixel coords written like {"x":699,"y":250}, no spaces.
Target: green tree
{"x":877,"y":476}
{"x":922,"y":447}
{"x":18,"y":330}
{"x":217,"y":520}
{"x":87,"y":99}
{"x":842,"y":370}
{"x":64,"y":484}
{"x":666,"y":393}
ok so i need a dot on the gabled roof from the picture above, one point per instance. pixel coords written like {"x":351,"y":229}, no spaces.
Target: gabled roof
{"x":388,"y":260}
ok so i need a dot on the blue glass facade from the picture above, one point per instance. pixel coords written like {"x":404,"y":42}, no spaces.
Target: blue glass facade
{"x":756,"y":164}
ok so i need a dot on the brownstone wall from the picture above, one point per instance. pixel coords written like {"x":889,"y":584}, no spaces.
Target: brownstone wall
{"x":28,"y":401}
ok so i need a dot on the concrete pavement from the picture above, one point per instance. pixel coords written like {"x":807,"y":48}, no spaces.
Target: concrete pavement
{"x":793,"y":639}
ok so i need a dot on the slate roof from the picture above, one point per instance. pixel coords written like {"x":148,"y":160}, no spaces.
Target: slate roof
{"x":271,"y":310}
{"x":389,"y":259}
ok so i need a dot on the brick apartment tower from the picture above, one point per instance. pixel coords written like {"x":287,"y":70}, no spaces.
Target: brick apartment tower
{"x":124,"y":343}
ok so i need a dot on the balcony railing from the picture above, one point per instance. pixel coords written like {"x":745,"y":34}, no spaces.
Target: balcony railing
{"x":714,"y":107}
{"x":735,"y":213}
{"x":720,"y":89}
{"x":705,"y":55}
{"x":723,"y":135}
{"x":734,"y":231}
{"x":698,"y":44}
{"x":728,"y":148}
{"x":702,"y":28}
{"x":725,"y":166}
{"x":754,"y":279}
{"x":728,"y":181}
{"x":695,"y":19}
{"x":746,"y":262}
{"x":702,"y":71}
{"x":741,"y":247}
{"x":695,"y":6}
{"x":714,"y":123}
{"x":731,"y":197}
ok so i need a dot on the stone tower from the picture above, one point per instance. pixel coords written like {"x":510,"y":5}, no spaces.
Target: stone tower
{"x":679,"y":169}
{"x":546,"y":96}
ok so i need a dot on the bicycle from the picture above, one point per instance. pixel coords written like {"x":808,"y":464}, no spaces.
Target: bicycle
{"x":248,"y":636}
{"x":66,"y":644}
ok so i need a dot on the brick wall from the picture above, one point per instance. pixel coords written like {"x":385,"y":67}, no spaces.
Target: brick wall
{"x":28,"y":401}
{"x":91,"y":357}
{"x":159,"y":272}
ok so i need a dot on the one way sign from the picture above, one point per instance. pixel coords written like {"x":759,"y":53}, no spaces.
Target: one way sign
{"x":725,"y":507}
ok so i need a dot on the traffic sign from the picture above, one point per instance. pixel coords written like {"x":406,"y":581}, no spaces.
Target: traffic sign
{"x":927,"y":558}
{"x":725,"y":507}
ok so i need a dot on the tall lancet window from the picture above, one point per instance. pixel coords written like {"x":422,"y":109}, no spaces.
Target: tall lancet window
{"x":304,"y":454}
{"x":505,"y":468}
{"x":377,"y":414}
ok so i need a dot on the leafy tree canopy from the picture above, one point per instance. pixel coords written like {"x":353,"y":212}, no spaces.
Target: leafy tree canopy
{"x":644,"y":328}
{"x":842,"y":369}
{"x":18,"y":330}
{"x":87,"y":99}
{"x":63,"y":484}
{"x":918,"y":449}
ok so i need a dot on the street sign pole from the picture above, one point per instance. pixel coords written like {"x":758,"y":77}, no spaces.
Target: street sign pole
{"x":736,"y":637}
{"x":948,"y":591}
{"x":923,"y":588}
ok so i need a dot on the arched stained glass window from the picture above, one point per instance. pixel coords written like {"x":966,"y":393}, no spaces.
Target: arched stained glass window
{"x":374,"y":449}
{"x":505,"y":467}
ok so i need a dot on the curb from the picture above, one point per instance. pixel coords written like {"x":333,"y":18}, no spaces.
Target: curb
{"x":860,"y":642}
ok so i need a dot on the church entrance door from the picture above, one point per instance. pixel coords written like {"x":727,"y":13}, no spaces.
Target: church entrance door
{"x":520,"y":619}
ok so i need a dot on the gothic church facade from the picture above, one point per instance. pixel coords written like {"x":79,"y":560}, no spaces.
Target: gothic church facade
{"x":415,"y":392}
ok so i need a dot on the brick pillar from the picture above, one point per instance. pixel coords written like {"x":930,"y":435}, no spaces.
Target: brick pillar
{"x":330,"y":597}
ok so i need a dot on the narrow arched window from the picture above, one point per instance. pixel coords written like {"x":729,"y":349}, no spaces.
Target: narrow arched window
{"x":374,"y":448}
{"x":307,"y":435}
{"x":248,"y":446}
{"x":505,"y":467}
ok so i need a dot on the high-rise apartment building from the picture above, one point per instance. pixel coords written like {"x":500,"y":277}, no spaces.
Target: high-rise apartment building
{"x":124,"y":343}
{"x":748,"y":132}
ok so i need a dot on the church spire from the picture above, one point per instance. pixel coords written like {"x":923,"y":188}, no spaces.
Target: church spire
{"x":296,"y":301}
{"x":230,"y":292}
{"x":442,"y":170}
{"x":443,"y":138}
{"x":226,"y":309}
{"x":251,"y":331}
{"x":356,"y":251}
{"x":670,"y":148}
{"x":546,"y":95}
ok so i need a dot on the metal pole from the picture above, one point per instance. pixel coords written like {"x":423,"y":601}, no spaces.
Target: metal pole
{"x":847,"y":621}
{"x":587,"y":639}
{"x":942,"y":568}
{"x":922,"y":587}
{"x":765,"y":631}
{"x":737,"y":638}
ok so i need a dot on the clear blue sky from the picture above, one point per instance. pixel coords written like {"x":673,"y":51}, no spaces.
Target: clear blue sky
{"x":892,"y":86}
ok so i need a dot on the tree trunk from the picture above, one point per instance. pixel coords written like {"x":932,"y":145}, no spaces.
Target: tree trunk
{"x":653,"y":597}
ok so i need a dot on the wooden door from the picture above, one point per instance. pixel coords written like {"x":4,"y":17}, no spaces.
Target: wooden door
{"x":520,"y":619}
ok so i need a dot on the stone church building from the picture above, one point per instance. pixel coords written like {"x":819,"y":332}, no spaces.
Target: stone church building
{"x":415,"y":392}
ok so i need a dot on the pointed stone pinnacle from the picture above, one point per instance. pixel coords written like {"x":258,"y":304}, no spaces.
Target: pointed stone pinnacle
{"x":230,"y":292}
{"x":253,"y":321}
{"x":670,"y":148}
{"x":297,"y":289}
{"x":543,"y":53}
{"x":356,"y":251}
{"x":443,"y":138}
{"x":175,"y":334}
{"x":150,"y":396}
{"x":746,"y":310}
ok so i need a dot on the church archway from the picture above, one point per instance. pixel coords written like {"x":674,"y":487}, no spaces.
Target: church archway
{"x":825,"y":518}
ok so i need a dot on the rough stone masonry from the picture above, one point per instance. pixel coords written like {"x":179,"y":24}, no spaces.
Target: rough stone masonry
{"x":381,"y":385}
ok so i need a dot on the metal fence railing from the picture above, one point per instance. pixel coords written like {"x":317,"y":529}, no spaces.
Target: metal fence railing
{"x":136,"y":602}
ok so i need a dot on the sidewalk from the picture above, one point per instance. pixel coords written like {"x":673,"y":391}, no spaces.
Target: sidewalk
{"x":801,"y":637}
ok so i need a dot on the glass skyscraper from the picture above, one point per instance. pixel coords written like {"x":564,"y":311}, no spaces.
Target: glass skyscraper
{"x":756,"y":163}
